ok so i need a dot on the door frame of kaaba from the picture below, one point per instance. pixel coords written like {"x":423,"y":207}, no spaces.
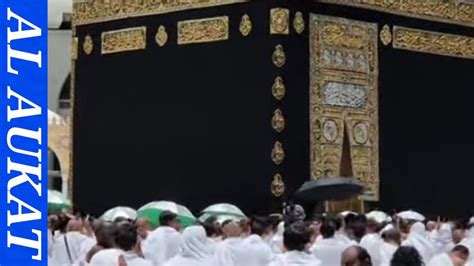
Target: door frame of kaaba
{"x":342,"y":59}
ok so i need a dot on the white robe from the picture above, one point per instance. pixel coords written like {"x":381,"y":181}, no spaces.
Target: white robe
{"x":59,"y":254}
{"x":195,"y":248}
{"x":372,"y":243}
{"x":161,"y":245}
{"x":442,"y":259}
{"x":254,"y":251}
{"x":276,"y":243}
{"x":329,"y":250}
{"x":226,"y":252}
{"x":296,"y":258}
{"x":443,"y":240}
{"x":132,"y":259}
{"x":418,"y":239}
{"x":386,"y":253}
{"x":106,"y":257}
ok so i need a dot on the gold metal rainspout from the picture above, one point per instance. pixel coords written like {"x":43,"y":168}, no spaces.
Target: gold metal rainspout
{"x":245,"y":25}
{"x":279,"y":21}
{"x":386,"y":35}
{"x":298,"y":22}
{"x":278,"y":153}
{"x":279,"y":56}
{"x":203,"y":30}
{"x":161,"y":36}
{"x":278,"y":89}
{"x":278,"y":121}
{"x":433,"y":42}
{"x":278,"y":186}
{"x":453,"y":12}
{"x":94,"y":11}
{"x":88,"y":45}
{"x":123,"y":40}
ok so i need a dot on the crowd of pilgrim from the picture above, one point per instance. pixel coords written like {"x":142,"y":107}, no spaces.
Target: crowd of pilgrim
{"x":290,"y":239}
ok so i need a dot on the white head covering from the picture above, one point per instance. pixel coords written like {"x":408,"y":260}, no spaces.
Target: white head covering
{"x":276,"y":243}
{"x":254,"y":251}
{"x":417,"y":238}
{"x":195,"y":248}
{"x":226,"y":252}
{"x":59,"y":250}
{"x":162,"y":244}
{"x":109,"y":257}
{"x":443,"y":240}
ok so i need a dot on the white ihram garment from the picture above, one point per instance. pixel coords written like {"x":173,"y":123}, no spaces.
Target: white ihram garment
{"x":417,"y":238}
{"x":296,"y":258}
{"x":329,"y":250}
{"x":195,"y":248}
{"x":161,"y":245}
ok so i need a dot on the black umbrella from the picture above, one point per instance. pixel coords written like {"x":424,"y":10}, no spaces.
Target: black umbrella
{"x":329,"y":188}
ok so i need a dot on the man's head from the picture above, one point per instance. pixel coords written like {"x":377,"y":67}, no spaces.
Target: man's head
{"x":328,"y":228}
{"x":373,"y":226}
{"x":105,"y":233}
{"x":260,"y":226}
{"x":392,"y":236}
{"x":126,"y":238}
{"x":458,"y":232}
{"x":74,"y":225}
{"x":296,"y":236}
{"x":459,"y":255}
{"x":143,"y":226}
{"x":406,"y":255}
{"x":212,"y":227}
{"x":231,"y":228}
{"x":355,"y":256}
{"x":170,"y":219}
{"x":430,"y":226}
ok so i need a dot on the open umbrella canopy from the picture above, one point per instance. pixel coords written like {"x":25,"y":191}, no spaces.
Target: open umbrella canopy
{"x":329,"y":188}
{"x":224,"y":209}
{"x":220,"y":218}
{"x":411,"y":215}
{"x":57,"y":201}
{"x":152,"y":211}
{"x":120,"y":211}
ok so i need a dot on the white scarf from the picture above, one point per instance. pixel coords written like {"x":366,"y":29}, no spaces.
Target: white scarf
{"x":443,"y":240}
{"x":329,"y":250}
{"x":226,"y":252}
{"x":106,"y":257}
{"x":59,"y":250}
{"x":441,"y":259}
{"x":254,"y":251}
{"x":372,"y":243}
{"x":276,"y":243}
{"x":417,"y":238}
{"x":195,"y":248}
{"x":162,"y":244}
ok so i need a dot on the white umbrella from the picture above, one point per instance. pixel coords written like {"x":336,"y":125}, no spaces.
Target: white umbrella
{"x":411,"y":215}
{"x":345,"y":213}
{"x":220,"y":218}
{"x":378,"y":216}
{"x":224,"y":209}
{"x":57,"y":201}
{"x":120,"y":211}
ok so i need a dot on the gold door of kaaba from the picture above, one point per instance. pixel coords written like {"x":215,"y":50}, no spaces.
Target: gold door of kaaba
{"x":344,"y":100}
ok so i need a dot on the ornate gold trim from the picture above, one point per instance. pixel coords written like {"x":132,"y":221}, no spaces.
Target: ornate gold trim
{"x":203,"y":30}
{"x":278,"y":88}
{"x":278,"y":121}
{"x":123,"y":40}
{"x":433,"y":42}
{"x":278,"y":153}
{"x":344,"y":96}
{"x":436,"y":10}
{"x":279,"y":21}
{"x":74,"y":48}
{"x":88,"y":45}
{"x":279,"y":56}
{"x":95,"y":11}
{"x":298,"y":22}
{"x":161,"y":36}
{"x":245,"y":26}
{"x":278,"y":186}
{"x":386,"y":35}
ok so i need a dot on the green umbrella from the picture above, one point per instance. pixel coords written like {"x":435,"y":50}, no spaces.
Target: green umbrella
{"x":220,"y":218}
{"x":224,"y":209}
{"x":153,"y":210}
{"x":57,"y":201}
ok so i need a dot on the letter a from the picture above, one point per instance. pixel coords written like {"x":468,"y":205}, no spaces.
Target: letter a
{"x":21,"y":112}
{"x":21,"y":34}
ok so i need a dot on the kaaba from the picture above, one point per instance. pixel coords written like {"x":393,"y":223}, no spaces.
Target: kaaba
{"x":208,"y":101}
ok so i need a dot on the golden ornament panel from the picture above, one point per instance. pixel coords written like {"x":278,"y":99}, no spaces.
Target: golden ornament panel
{"x":298,"y":22}
{"x":344,"y":98}
{"x":245,"y":26}
{"x":433,"y":42}
{"x":88,"y":45}
{"x":74,"y":48}
{"x":278,"y":88}
{"x":278,"y":153}
{"x":437,"y":10}
{"x":386,"y":35}
{"x":278,"y":121}
{"x":279,"y":21}
{"x":203,"y":30}
{"x":94,"y":11}
{"x":279,"y":56}
{"x":278,"y":186}
{"x":161,"y":36}
{"x":123,"y":40}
